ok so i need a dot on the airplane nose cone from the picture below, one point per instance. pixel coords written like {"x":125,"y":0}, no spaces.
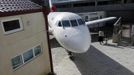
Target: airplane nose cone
{"x":78,"y":43}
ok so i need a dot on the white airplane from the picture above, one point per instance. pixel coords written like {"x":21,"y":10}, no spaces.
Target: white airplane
{"x":71,"y":31}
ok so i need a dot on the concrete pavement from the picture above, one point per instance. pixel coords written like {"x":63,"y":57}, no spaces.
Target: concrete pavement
{"x":99,"y":60}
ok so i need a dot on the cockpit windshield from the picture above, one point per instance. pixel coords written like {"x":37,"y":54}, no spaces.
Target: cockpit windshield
{"x":81,"y":22}
{"x":65,"y":23}
{"x":59,"y":24}
{"x":74,"y":23}
{"x":69,"y":23}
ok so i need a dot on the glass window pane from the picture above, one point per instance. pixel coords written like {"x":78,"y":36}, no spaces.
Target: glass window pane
{"x":65,"y":23}
{"x":74,"y":23}
{"x":81,"y":22}
{"x":11,"y":25}
{"x":17,"y":61}
{"x":59,"y":24}
{"x":37,"y":50}
{"x":28,"y":55}
{"x":93,"y":18}
{"x":86,"y":18}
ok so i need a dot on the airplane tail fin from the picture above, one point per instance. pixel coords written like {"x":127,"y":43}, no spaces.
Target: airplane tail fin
{"x":51,"y":6}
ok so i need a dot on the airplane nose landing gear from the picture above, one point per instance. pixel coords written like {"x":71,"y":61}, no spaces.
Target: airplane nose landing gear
{"x":70,"y":55}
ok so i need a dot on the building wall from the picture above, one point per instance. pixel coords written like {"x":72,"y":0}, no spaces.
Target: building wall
{"x":127,"y":16}
{"x":14,"y":44}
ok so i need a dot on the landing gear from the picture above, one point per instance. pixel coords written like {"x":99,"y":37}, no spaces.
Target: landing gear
{"x":70,"y":55}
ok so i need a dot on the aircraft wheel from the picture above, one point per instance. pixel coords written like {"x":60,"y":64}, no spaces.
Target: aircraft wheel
{"x":69,"y":53}
{"x":72,"y":58}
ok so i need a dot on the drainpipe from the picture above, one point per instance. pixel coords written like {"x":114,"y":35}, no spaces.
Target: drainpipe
{"x":45,"y":13}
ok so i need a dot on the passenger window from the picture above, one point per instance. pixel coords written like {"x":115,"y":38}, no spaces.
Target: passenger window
{"x":59,"y":24}
{"x":65,"y":23}
{"x":74,"y":23}
{"x":81,"y":22}
{"x":86,"y":18}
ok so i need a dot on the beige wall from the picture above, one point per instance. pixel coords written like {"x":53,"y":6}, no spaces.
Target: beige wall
{"x":14,"y":44}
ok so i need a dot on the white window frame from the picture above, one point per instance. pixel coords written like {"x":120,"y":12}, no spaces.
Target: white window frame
{"x":77,"y":22}
{"x":15,"y":65}
{"x":34,"y":51}
{"x":12,"y":31}
{"x":26,"y":52}
{"x":23,"y":63}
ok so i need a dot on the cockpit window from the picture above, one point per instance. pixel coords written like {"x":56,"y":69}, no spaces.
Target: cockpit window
{"x":65,"y":23}
{"x":59,"y":24}
{"x":74,"y":23}
{"x":81,"y":22}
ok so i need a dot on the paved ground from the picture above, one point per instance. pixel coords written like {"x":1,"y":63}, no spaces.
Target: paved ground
{"x":99,"y":60}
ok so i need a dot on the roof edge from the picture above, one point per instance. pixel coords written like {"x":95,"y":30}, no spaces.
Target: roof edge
{"x":12,"y":13}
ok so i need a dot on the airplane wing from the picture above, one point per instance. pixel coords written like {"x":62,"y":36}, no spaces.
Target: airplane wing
{"x":100,"y":20}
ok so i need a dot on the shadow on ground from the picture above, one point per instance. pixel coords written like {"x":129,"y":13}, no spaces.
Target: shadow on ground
{"x":54,"y":43}
{"x":95,"y":62}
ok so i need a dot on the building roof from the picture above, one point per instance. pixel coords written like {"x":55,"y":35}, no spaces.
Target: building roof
{"x":17,"y":5}
{"x":70,"y":1}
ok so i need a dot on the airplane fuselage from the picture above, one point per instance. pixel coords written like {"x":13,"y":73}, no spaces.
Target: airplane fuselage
{"x":70,"y":31}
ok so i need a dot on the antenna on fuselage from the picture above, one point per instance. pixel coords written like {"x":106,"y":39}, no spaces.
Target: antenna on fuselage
{"x":51,"y":6}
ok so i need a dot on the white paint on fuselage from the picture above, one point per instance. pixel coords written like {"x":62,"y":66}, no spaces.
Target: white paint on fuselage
{"x":75,"y":39}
